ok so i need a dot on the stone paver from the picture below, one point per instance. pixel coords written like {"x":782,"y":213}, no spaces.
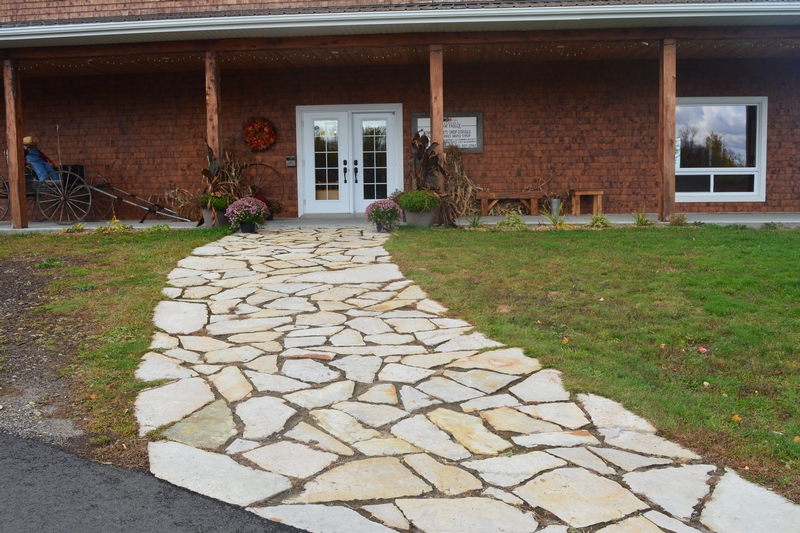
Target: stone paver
{"x":307,"y":371}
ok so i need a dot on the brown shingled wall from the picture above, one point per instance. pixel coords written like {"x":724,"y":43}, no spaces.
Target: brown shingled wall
{"x":577,"y":124}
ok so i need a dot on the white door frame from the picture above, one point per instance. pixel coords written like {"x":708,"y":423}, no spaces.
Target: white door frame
{"x":397,"y":167}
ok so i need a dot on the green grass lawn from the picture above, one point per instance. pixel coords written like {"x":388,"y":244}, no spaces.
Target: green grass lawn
{"x":102,"y":291}
{"x":622,"y":312}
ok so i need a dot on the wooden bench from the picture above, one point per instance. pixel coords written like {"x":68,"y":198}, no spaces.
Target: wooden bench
{"x":528,"y":199}
{"x":597,"y":200}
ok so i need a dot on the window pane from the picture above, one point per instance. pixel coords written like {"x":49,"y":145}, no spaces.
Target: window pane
{"x":381,"y":192}
{"x":734,"y":183}
{"x":693,"y":183}
{"x":714,"y":136}
{"x":369,"y":175}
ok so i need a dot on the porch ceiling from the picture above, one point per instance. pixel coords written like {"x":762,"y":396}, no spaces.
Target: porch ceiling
{"x":409,"y":55}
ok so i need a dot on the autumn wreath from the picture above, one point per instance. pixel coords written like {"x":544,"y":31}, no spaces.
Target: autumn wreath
{"x":258,"y":134}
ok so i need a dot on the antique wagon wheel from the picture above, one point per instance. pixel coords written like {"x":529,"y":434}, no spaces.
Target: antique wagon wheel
{"x":64,"y":198}
{"x":263,"y":179}
{"x":102,"y":196}
{"x":4,"y":197}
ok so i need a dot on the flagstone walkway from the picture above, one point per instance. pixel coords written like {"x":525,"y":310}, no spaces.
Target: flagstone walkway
{"x":315,"y":385}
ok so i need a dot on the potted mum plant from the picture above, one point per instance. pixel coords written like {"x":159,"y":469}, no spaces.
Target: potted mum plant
{"x":385,"y":214}
{"x":246,"y":212}
{"x":419,"y":207}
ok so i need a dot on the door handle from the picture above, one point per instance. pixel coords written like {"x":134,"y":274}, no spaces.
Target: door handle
{"x":355,"y":170}
{"x":344,"y":172}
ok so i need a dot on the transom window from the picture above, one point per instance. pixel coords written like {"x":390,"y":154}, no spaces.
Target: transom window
{"x":720,"y":153}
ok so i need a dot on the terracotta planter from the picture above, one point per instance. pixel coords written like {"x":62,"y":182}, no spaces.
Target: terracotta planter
{"x":422,"y":219}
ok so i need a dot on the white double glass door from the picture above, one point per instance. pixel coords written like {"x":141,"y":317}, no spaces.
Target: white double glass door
{"x":350,"y":157}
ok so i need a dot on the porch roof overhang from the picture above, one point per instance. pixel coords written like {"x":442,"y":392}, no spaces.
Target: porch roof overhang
{"x":424,"y":19}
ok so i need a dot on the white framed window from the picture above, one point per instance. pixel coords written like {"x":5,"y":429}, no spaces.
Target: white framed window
{"x":721,"y":149}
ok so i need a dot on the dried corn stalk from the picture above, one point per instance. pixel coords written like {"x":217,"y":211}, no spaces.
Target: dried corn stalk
{"x":460,"y":189}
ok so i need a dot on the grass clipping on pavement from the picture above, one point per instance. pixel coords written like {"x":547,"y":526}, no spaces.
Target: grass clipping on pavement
{"x":696,"y":329}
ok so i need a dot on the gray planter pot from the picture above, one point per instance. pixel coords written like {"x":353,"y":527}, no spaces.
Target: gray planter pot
{"x":222,"y":220}
{"x":423,"y":219}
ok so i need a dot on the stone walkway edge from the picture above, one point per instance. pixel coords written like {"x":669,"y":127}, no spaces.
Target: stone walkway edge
{"x":313,"y":384}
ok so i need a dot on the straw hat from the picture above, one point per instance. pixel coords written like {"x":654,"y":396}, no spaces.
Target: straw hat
{"x":30,"y":141}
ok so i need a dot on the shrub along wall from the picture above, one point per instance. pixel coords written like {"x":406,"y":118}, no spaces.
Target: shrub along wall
{"x":570,"y":124}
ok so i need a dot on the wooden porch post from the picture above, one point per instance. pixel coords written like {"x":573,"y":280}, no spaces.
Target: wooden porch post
{"x":16,"y":158}
{"x":212,"y":103}
{"x":666,"y":130}
{"x":437,"y":102}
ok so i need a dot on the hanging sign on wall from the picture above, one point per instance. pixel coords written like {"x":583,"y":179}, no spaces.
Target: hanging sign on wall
{"x":463,"y":129}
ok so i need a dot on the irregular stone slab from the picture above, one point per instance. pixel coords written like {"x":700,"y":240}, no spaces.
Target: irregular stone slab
{"x":246,"y":325}
{"x":369,"y":325}
{"x":579,"y":437}
{"x":209,"y":250}
{"x":291,"y":459}
{"x":157,"y":366}
{"x":513,"y":470}
{"x":261,"y":296}
{"x":583,"y":457}
{"x":645,"y":443}
{"x":383,"y":447}
{"x":430,"y":306}
{"x":315,"y":332}
{"x":438,"y":336}
{"x":411,"y":325}
{"x":466,"y":515}
{"x":420,"y":432}
{"x":366,"y":274}
{"x":211,"y":263}
{"x":403,"y":374}
{"x":292,"y":304}
{"x":337,"y":294}
{"x":170,"y":403}
{"x":207,"y":370}
{"x":565,"y":414}
{"x":348,"y":337}
{"x":301,"y":342}
{"x":180,"y":317}
{"x":380,"y":351}
{"x":450,"y":323}
{"x":309,"y":371}
{"x":389,"y":514}
{"x":333,"y":393}
{"x":627,"y":460}
{"x":211,"y":427}
{"x":579,"y":497}
{"x":259,"y":336}
{"x":606,"y":413}
{"x":359,"y":368}
{"x":406,"y":314}
{"x":308,"y":353}
{"x":448,"y":479}
{"x":310,"y":435}
{"x":482,"y":380}
{"x":212,"y":474}
{"x":469,"y":431}
{"x":223,"y":307}
{"x":342,"y":426}
{"x":508,"y":419}
{"x":668,"y":523}
{"x":163,"y":341}
{"x":241,"y":445}
{"x":320,"y":518}
{"x":231,"y":383}
{"x":202,"y":344}
{"x":676,"y":489}
{"x":371,"y":414}
{"x":381,"y":393}
{"x":636,"y":524}
{"x":448,"y":390}
{"x":509,"y":361}
{"x":412,"y":293}
{"x":414,"y":399}
{"x":507,"y":497}
{"x":476,"y":341}
{"x":373,"y":251}
{"x":267,"y":364}
{"x":274,"y":382}
{"x":368,"y":479}
{"x":543,"y":386}
{"x":263,"y":416}
{"x":321,"y":319}
{"x":186,"y":282}
{"x":389,"y":339}
{"x":237,"y":354}
{"x":184,"y":355}
{"x":178,"y":273}
{"x":489,"y":402}
{"x":431,"y":360}
{"x":291,"y":288}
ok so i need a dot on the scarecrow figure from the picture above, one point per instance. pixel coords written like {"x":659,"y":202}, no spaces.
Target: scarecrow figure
{"x":40,"y":163}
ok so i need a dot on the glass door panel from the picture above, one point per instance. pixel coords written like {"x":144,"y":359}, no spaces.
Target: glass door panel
{"x":372,"y":156}
{"x":326,"y":152}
